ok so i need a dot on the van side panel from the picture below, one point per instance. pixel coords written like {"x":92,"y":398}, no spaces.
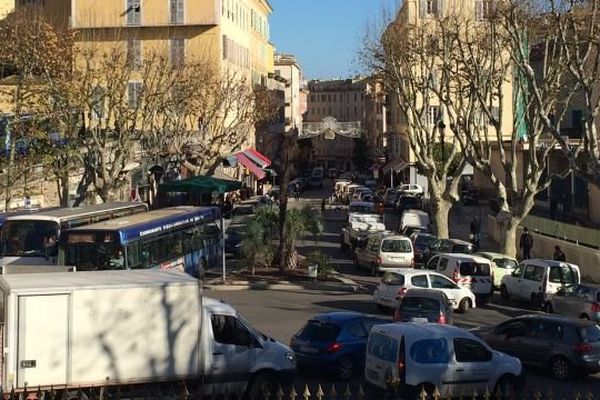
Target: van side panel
{"x":135,"y":334}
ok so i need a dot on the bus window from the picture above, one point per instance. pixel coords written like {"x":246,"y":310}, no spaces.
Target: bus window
{"x":133,"y":256}
{"x":28,"y":238}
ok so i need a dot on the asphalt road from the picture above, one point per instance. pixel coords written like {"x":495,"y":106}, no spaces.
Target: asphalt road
{"x":281,"y":314}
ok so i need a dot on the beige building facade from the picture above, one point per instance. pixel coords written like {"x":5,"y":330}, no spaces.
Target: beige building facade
{"x":6,"y":6}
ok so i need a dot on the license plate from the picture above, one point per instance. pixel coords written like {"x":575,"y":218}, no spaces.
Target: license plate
{"x":397,"y":258}
{"x":419,"y":320}
{"x":307,"y":349}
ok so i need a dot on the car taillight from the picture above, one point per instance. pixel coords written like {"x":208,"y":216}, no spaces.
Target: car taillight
{"x":334,"y":347}
{"x":583,"y":348}
{"x":378,"y":261}
{"x":595,"y":307}
{"x":455,"y":275}
{"x":442,"y":319}
{"x":397,"y":316}
{"x":412,"y":263}
{"x":401,"y":366}
{"x":401,"y":292}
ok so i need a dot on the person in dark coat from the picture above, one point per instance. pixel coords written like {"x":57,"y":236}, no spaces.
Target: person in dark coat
{"x":559,"y":255}
{"x":526,"y":243}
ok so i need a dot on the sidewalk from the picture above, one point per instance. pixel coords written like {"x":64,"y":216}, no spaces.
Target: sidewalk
{"x":459,"y":224}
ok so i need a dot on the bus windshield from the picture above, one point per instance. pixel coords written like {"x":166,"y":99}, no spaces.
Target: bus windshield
{"x":29,"y":238}
{"x":95,"y":256}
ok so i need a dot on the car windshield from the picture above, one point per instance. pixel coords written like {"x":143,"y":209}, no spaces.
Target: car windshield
{"x":474,"y":269}
{"x":590,"y":334}
{"x":395,"y":246}
{"x":244,"y":210}
{"x":463,"y":248}
{"x":564,"y":275}
{"x":361,"y":208}
{"x":420,"y":304}
{"x":319,"y":330}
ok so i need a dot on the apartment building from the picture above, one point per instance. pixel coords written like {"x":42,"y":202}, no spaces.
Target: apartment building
{"x":401,"y":160}
{"x":289,"y":89}
{"x":357,"y":100}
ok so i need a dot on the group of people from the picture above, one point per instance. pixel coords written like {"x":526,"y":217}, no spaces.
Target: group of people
{"x":526,"y":244}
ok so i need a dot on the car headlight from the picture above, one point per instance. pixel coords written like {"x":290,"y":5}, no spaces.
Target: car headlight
{"x":290,"y":357}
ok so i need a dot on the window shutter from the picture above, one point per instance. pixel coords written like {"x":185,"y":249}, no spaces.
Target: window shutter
{"x":131,"y":95}
{"x":495,"y":113}
{"x":478,"y":10}
{"x":180,"y":10}
{"x":438,"y":9}
{"x":422,"y":8}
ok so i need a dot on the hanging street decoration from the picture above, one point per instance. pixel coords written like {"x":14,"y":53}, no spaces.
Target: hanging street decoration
{"x":329,"y":127}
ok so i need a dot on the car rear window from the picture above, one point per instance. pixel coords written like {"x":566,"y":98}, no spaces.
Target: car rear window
{"x":463,"y":248}
{"x":419,"y":304}
{"x":430,"y":351}
{"x":383,"y":347}
{"x":590,"y":334}
{"x":474,"y":269}
{"x":393,"y":279}
{"x":396,"y":246}
{"x":563,"y":275}
{"x":320,"y":331}
{"x":505,"y":263}
{"x":424,"y":240}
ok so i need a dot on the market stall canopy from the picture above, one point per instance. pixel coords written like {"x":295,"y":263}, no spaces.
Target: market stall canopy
{"x":201,"y":184}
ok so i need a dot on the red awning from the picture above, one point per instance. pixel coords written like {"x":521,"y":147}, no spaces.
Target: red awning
{"x":257,"y":157}
{"x":246,"y":162}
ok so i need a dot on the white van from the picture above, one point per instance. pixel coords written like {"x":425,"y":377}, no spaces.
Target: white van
{"x":466,"y":270}
{"x":415,"y":219}
{"x":535,"y":280}
{"x":425,"y":357}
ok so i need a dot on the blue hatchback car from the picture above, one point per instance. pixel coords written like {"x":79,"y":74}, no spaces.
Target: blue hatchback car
{"x":335,"y":342}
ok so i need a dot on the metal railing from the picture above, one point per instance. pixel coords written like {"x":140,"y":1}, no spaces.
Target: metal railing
{"x":571,"y":233}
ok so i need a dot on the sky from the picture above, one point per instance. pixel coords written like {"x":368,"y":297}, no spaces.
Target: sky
{"x":325,"y":35}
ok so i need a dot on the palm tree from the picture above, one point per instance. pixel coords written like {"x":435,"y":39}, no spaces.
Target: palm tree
{"x":261,"y":230}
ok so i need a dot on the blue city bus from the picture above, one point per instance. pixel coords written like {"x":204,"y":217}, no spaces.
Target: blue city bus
{"x":185,"y":238}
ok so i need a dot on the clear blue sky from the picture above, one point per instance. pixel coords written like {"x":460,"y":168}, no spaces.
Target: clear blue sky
{"x":324,"y":34}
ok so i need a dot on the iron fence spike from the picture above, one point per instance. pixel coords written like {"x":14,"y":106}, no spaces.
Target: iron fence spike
{"x":293,"y":393}
{"x":320,"y":395}
{"x":279,"y":394}
{"x":333,"y":393}
{"x":361,"y":393}
{"x":306,"y":393}
{"x":347,"y":392}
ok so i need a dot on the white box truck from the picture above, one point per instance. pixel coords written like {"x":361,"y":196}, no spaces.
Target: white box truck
{"x":86,"y":329}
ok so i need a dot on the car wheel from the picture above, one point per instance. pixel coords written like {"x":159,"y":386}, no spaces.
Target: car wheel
{"x":535,"y":301}
{"x":261,"y":386}
{"x":504,"y":293}
{"x":374,"y":270}
{"x":464,"y":305}
{"x":560,"y":368}
{"x":506,"y":387}
{"x":584,"y":316}
{"x":345,"y":369}
{"x":548,"y":308}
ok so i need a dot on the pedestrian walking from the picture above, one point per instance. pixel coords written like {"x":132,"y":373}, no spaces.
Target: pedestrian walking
{"x":526,"y":243}
{"x":559,"y":255}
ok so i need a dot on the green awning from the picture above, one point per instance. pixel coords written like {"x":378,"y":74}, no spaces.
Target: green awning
{"x":201,"y":184}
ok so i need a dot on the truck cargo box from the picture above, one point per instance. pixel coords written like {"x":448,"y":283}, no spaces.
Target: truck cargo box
{"x":85,"y":328}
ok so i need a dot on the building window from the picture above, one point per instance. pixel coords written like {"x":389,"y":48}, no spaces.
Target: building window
{"x":429,"y":8}
{"x":177,"y":51}
{"x":134,"y":53}
{"x":433,"y":113}
{"x":177,"y":8}
{"x":224,"y":47}
{"x":134,"y":11}
{"x":97,"y":103}
{"x":483,"y":9}
{"x":134,"y":90}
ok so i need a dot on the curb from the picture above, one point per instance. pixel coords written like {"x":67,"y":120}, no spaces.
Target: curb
{"x":345,"y":287}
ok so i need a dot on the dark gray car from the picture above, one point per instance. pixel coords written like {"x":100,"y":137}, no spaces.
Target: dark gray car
{"x":564,"y":346}
{"x":424,"y":305}
{"x":578,"y":301}
{"x":447,"y":246}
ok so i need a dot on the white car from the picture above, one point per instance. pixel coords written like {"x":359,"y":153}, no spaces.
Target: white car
{"x":412,"y":189}
{"x":425,"y":357}
{"x":395,"y":284}
{"x":536,"y":280}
